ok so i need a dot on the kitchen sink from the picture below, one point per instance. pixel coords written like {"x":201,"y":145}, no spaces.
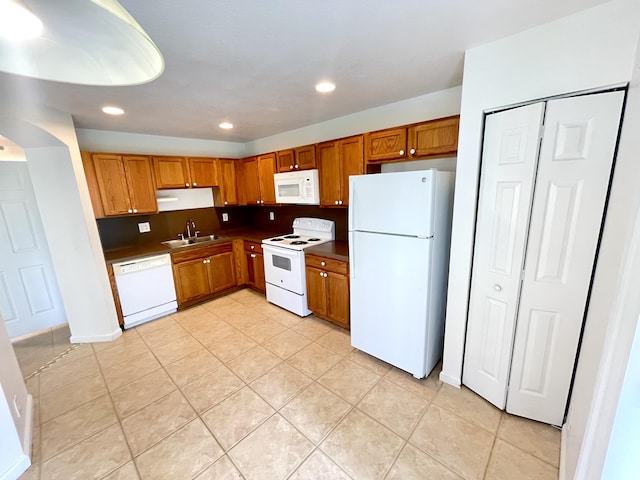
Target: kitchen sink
{"x":187,"y":242}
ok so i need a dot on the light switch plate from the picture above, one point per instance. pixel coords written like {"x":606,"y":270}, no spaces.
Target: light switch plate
{"x":144,"y":227}
{"x":225,"y":217}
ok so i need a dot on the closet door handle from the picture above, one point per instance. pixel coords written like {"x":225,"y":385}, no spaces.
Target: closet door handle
{"x":497,"y":288}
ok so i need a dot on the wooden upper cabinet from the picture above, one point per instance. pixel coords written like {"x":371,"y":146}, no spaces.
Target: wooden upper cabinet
{"x":202,"y":172}
{"x":390,"y":144}
{"x":286,"y":160}
{"x":171,"y":172}
{"x":125,"y":184}
{"x":266,"y":170}
{"x":435,"y":138}
{"x":300,"y":158}
{"x":337,"y":160}
{"x":142,"y":191}
{"x":249,"y":181}
{"x":227,"y":194}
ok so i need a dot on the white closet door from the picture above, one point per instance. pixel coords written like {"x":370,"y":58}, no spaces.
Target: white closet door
{"x":571,"y":186}
{"x":510,"y":153}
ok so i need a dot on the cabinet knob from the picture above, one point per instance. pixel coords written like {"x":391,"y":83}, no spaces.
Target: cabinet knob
{"x":204,"y":261}
{"x":290,"y":167}
{"x":296,"y":166}
{"x":339,"y":202}
{"x":401,"y":152}
{"x":261,"y":201}
{"x":497,"y":288}
{"x":226,"y":203}
{"x":195,"y":184}
{"x":253,"y":247}
{"x":186,"y":184}
{"x":130,"y":211}
{"x":322,"y":274}
{"x":135,"y":210}
{"x":253,"y":255}
{"x":326,"y":274}
{"x":323,"y":263}
{"x":336,"y":202}
{"x":412,"y":151}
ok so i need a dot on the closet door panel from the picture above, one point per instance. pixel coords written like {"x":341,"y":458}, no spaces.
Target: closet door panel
{"x":510,"y":153}
{"x":571,"y":187}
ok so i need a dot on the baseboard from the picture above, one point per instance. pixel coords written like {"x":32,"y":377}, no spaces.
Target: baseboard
{"x":96,"y":338}
{"x":22,"y":463}
{"x":563,"y":455}
{"x":453,"y":381}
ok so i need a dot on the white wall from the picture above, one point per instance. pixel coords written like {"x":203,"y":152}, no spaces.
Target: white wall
{"x":54,"y":162}
{"x":15,"y":431}
{"x":122,"y":142}
{"x":593,"y":48}
{"x":417,"y":109}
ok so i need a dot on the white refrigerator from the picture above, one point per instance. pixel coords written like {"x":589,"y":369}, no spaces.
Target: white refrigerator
{"x":399,"y":236}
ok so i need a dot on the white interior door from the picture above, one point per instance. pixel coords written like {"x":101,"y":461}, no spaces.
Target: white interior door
{"x":29,"y":295}
{"x":571,"y":186}
{"x":509,"y":159}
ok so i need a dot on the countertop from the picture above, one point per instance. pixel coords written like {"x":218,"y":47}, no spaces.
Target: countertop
{"x":157,"y":248}
{"x":338,"y":250}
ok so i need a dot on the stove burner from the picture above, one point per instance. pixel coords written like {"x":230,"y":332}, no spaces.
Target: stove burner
{"x":313,"y":240}
{"x":288,"y":237}
{"x":276,"y":239}
{"x":298,"y":242}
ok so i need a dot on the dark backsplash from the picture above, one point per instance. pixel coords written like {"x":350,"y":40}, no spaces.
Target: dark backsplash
{"x":120,"y":232}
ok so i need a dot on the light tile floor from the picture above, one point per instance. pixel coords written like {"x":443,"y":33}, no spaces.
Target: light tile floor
{"x":239,"y":388}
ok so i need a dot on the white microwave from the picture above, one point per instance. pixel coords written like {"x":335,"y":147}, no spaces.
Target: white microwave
{"x":300,"y":187}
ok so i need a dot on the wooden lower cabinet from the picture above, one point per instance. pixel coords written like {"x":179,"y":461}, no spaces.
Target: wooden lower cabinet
{"x":255,"y":265}
{"x":201,"y":272}
{"x":328,"y":289}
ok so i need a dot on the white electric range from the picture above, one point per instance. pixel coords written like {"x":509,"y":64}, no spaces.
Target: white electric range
{"x":284,"y":266}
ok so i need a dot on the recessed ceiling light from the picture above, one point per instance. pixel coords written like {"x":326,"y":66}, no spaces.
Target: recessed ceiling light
{"x":325,"y":87}
{"x":17,"y":22}
{"x":226,"y":125}
{"x":113,"y":110}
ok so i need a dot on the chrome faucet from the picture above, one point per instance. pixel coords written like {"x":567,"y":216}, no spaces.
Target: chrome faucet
{"x":190,"y":229}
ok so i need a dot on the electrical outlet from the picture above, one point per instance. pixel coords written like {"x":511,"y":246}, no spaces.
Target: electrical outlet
{"x":144,"y":227}
{"x":225,"y":217}
{"x":272,"y":216}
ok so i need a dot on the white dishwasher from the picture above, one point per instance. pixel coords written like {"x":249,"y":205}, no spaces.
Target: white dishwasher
{"x":146,"y":289}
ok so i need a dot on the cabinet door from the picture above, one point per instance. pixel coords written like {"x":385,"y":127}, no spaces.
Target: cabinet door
{"x":351,"y":150}
{"x":330,"y":173}
{"x":114,"y":192}
{"x":286,"y":160}
{"x":226,"y":172}
{"x":250,"y":183}
{"x":436,"y":138}
{"x":171,"y":172}
{"x":337,"y":287}
{"x":142,"y":191}
{"x":266,"y":170}
{"x":255,"y":270}
{"x":222,"y":272}
{"x":390,"y":144}
{"x":203,"y":172}
{"x":306,"y":157}
{"x":192,"y":280}
{"x":316,"y":291}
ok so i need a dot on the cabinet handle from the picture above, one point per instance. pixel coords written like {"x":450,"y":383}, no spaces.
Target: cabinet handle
{"x":186,"y":184}
{"x":412,"y":151}
{"x":253,"y":255}
{"x":135,"y":210}
{"x":130,"y":211}
{"x":323,"y":263}
{"x":290,"y":167}
{"x":195,"y":184}
{"x":401,"y":152}
{"x":295,"y":166}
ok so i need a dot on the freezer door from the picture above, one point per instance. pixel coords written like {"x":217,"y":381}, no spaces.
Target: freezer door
{"x":398,"y":203}
{"x":390,"y":278}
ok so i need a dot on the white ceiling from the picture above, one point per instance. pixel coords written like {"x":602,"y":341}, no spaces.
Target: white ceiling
{"x":255,"y":63}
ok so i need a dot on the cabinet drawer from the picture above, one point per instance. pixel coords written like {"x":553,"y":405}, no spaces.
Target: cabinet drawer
{"x":328,"y":264}
{"x":193,"y":253}
{"x":252,"y":247}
